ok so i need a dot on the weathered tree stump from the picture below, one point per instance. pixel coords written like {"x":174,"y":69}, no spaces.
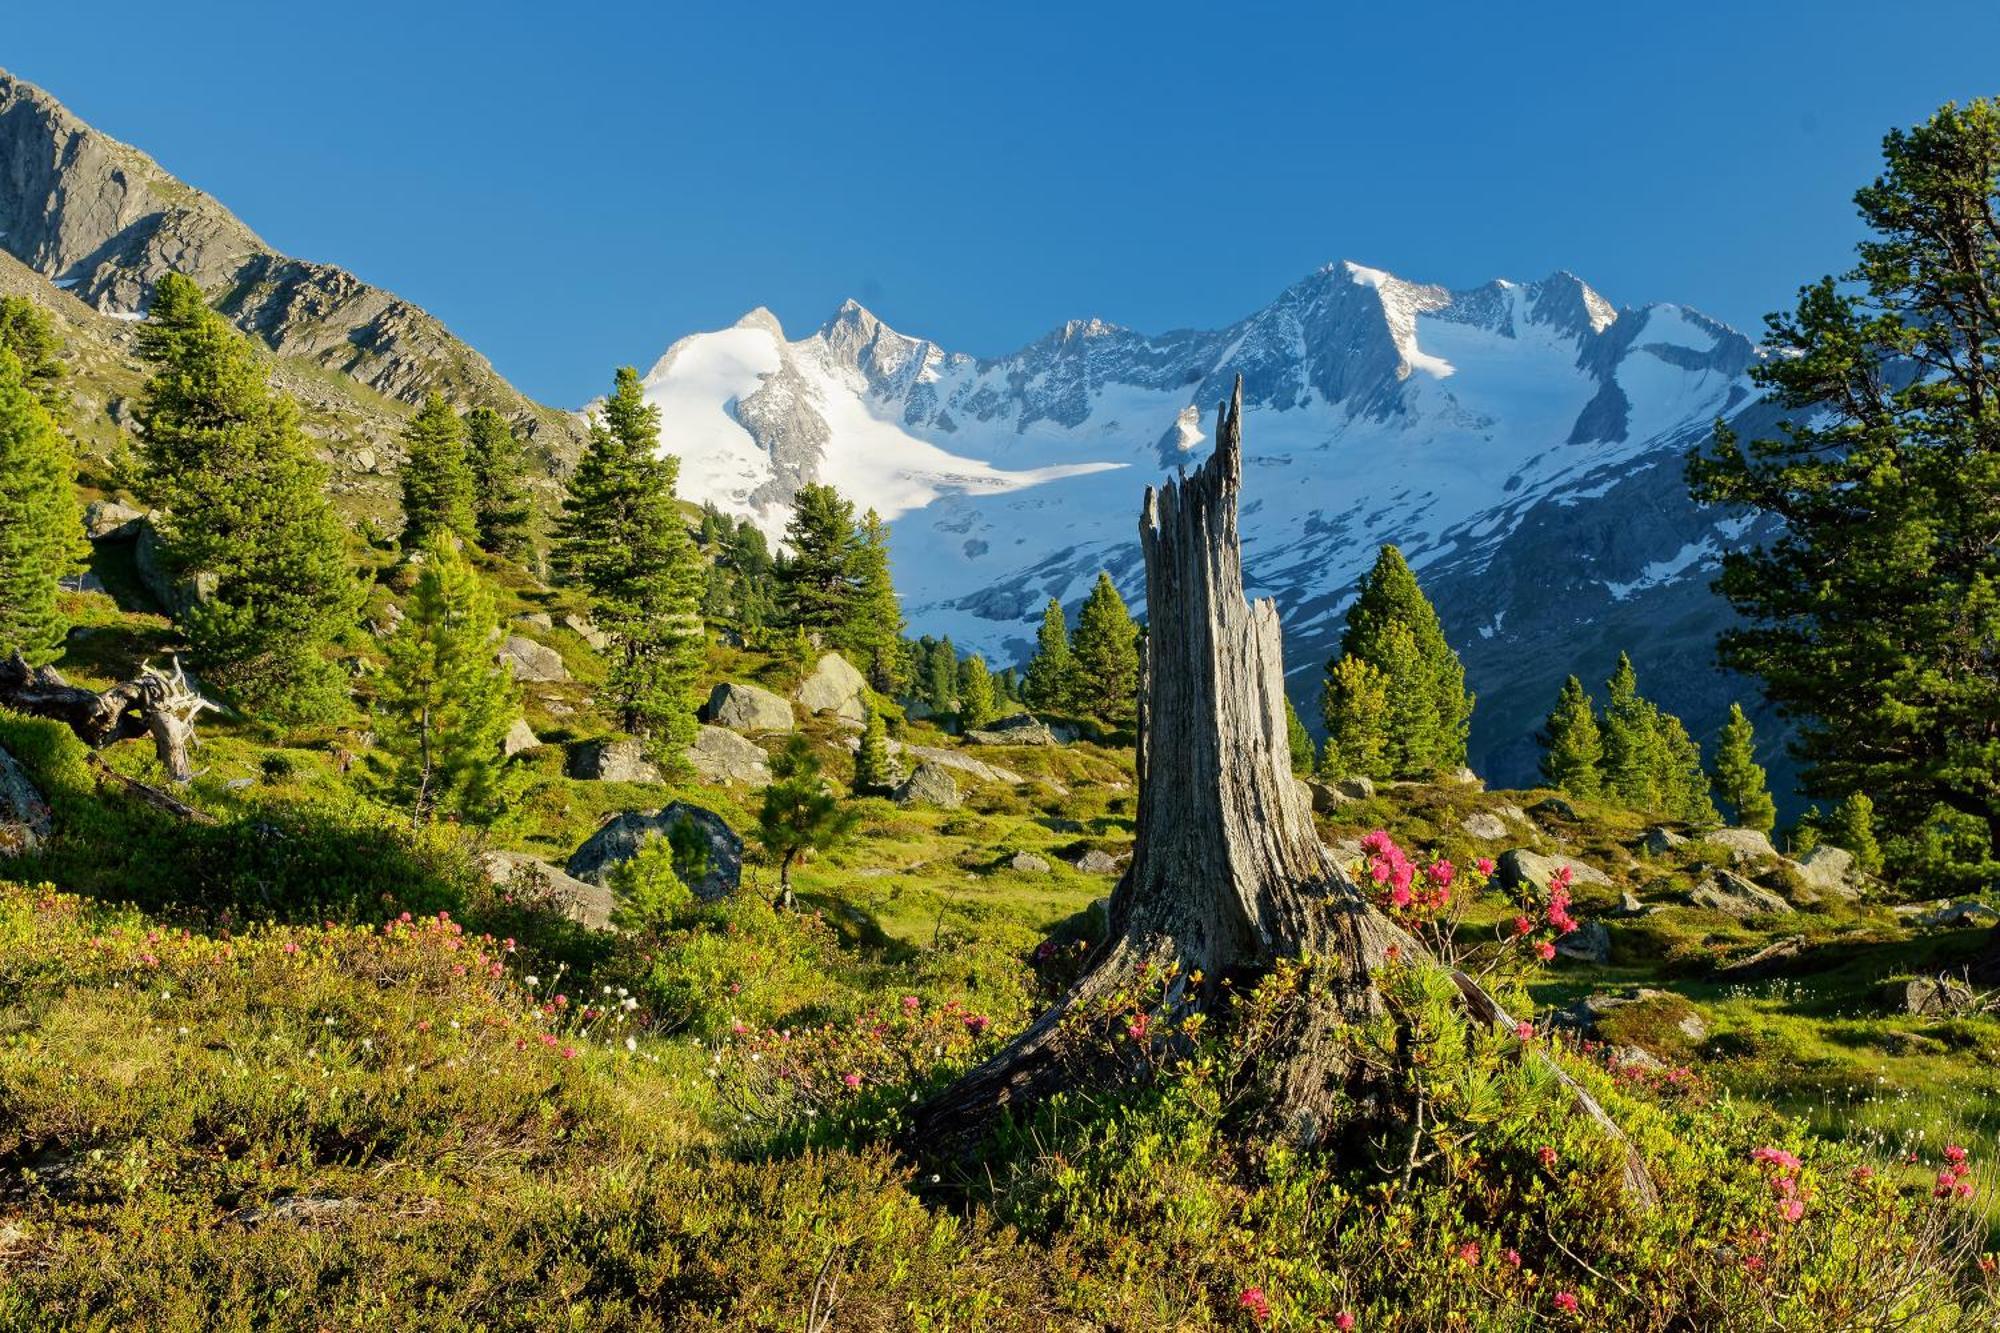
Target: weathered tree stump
{"x":154,"y":703}
{"x":1228,"y":876}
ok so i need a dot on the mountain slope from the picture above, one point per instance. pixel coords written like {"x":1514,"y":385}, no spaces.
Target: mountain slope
{"x":1521,"y":442}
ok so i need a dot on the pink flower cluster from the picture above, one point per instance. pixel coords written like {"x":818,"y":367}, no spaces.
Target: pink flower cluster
{"x":1407,"y":889}
{"x":1952,"y":1182}
{"x":1254,"y":1301}
{"x":1784,"y":1167}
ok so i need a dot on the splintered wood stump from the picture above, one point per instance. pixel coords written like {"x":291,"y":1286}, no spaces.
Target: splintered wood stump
{"x":1228,"y":875}
{"x":154,"y":703}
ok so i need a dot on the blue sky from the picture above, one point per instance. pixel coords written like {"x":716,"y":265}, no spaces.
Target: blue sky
{"x":571,"y":186}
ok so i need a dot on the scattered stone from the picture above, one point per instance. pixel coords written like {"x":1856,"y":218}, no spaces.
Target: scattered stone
{"x":521,"y":738}
{"x":556,"y":708}
{"x":721,"y":756}
{"x":1634,"y":1057}
{"x":532,"y":661}
{"x":539,"y":619}
{"x":1095,"y":862}
{"x":1730,"y":893}
{"x":835,"y":687}
{"x":366,"y":460}
{"x":1513,"y":812}
{"x":1629,"y":905}
{"x":1660,"y":839}
{"x":583,"y":629}
{"x":1028,"y":863}
{"x":1744,"y":845}
{"x":746,"y":708}
{"x":1553,"y":807}
{"x":1356,"y":789}
{"x":1830,"y":869}
{"x":930,"y":784}
{"x":25,"y":820}
{"x":1938,"y":997}
{"x":1326,"y":798}
{"x":1015,"y":729}
{"x":1587,"y":1014}
{"x":1523,"y":867}
{"x":1465,"y":777}
{"x":624,"y":834}
{"x":1953,"y":915}
{"x":1590,"y":942}
{"x":620,"y":759}
{"x":1484,"y":826}
{"x":110,"y":521}
{"x":1770,"y":960}
{"x":581,"y":901}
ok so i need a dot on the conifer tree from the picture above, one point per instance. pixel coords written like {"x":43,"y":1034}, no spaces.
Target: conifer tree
{"x":1007,"y":686}
{"x":875,"y":767}
{"x":1106,"y":648}
{"x":818,"y":583}
{"x":247,"y":522}
{"x":1299,"y":739}
{"x":799,"y":813}
{"x":1631,"y":740}
{"x":500,"y":509}
{"x":873,"y":631}
{"x":446,"y":703}
{"x":1423,"y":676}
{"x":975,"y":693}
{"x":437,"y":478}
{"x":1572,"y":750}
{"x":41,"y":531}
{"x":1355,"y":706}
{"x":622,"y":538}
{"x":1853,"y":828}
{"x":1050,"y":686}
{"x":1680,"y":782}
{"x":26,"y":332}
{"x":1740,"y":778}
{"x":940,"y":676}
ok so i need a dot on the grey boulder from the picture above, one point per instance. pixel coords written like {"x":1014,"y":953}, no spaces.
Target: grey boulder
{"x":520,"y":739}
{"x":1017,"y":729}
{"x":1736,"y":896}
{"x":720,"y":756}
{"x":581,"y":901}
{"x":835,"y":687}
{"x":1095,"y":862}
{"x":110,"y":521}
{"x":620,"y":759}
{"x":746,"y":708}
{"x":532,"y":661}
{"x":1744,"y":845}
{"x":1590,"y":942}
{"x":1484,"y":825}
{"x":1028,"y":863}
{"x":930,"y":784}
{"x":1524,"y":867}
{"x":624,"y":834}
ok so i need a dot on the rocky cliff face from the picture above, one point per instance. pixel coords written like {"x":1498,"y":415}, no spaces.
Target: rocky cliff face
{"x":100,"y":220}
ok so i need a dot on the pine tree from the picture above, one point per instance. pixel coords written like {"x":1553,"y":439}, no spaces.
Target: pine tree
{"x":1424,"y":678}
{"x":940,"y":677}
{"x":41,"y":531}
{"x":1007,"y":687}
{"x":1740,"y":778}
{"x":1631,"y":740}
{"x":1050,"y":686}
{"x":1572,"y":750}
{"x":647,"y":891}
{"x":1299,"y":739}
{"x":26,"y":332}
{"x":975,"y":693}
{"x":1853,"y":828}
{"x":875,"y":767}
{"x":247,"y":522}
{"x":799,"y":813}
{"x":1871,"y":618}
{"x":622,"y":538}
{"x":1680,"y":781}
{"x":446,"y":704}
{"x":500,"y":509}
{"x":873,"y":627}
{"x":1355,"y":706}
{"x":818,"y":584}
{"x":437,"y":478}
{"x":1106,"y":648}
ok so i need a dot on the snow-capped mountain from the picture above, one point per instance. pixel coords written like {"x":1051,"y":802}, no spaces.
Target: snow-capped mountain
{"x":1520,"y":442}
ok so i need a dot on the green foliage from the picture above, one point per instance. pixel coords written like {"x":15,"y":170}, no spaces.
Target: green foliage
{"x":1632,"y":757}
{"x":1355,"y":706}
{"x":800,"y":812}
{"x":1051,"y":682}
{"x":875,"y":769}
{"x":500,"y":511}
{"x":872,"y":631}
{"x":621,"y":537}
{"x":1680,"y":781}
{"x":1572,"y":749}
{"x":41,"y":530}
{"x":1299,"y":740}
{"x":738,"y":587}
{"x":817,"y":581}
{"x":975,"y":693}
{"x":938,"y":682}
{"x":1106,"y":647}
{"x":247,"y":524}
{"x":438,"y":481}
{"x":1393,"y":627}
{"x":648,"y":892}
{"x":446,"y":703}
{"x":1872,"y":619}
{"x":26,"y":332}
{"x":1740,"y":778}
{"x":1853,"y":828}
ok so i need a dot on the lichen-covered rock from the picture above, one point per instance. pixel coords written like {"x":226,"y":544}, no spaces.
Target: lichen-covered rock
{"x":746,"y":708}
{"x":1830,"y":869}
{"x":520,"y":739}
{"x":1590,"y":942}
{"x":1016,"y":729}
{"x":1744,"y":845}
{"x":1326,"y":798}
{"x":1553,"y":807}
{"x":1095,"y":862}
{"x":532,"y":661}
{"x":110,"y":521}
{"x":25,"y":821}
{"x":624,"y":834}
{"x":1484,"y":825}
{"x":619,"y":759}
{"x":1356,"y":788}
{"x":583,"y":629}
{"x":929,"y":784}
{"x":1660,"y":839}
{"x":1028,"y":863}
{"x":721,"y":756}
{"x":1937,"y":997}
{"x":835,"y":687}
{"x":1522,"y":866}
{"x":1736,"y":896}
{"x":581,"y":901}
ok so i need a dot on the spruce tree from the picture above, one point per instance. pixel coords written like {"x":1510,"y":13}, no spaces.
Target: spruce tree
{"x":247,"y":521}
{"x":1425,"y":679}
{"x":1740,"y":778}
{"x":1631,"y":740}
{"x":875,"y":768}
{"x":1355,"y":706}
{"x":621,"y":537}
{"x":500,"y":509}
{"x":1106,"y":648}
{"x":1299,"y":739}
{"x":41,"y":531}
{"x":1680,"y":782}
{"x":873,"y":631}
{"x":437,"y":478}
{"x":975,"y":693}
{"x":26,"y":332}
{"x":1871,"y":619}
{"x":1853,"y":828}
{"x":940,"y":677}
{"x":799,"y":814}
{"x":1572,"y":750}
{"x":1050,"y":686}
{"x":818,"y":583}
{"x":446,"y":703}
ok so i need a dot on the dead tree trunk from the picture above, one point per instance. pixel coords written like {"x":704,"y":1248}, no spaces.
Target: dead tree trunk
{"x":1228,"y":875}
{"x":153,"y":703}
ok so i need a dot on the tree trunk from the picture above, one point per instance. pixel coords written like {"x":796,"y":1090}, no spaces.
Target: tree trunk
{"x":1228,"y":875}
{"x":152,"y":703}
